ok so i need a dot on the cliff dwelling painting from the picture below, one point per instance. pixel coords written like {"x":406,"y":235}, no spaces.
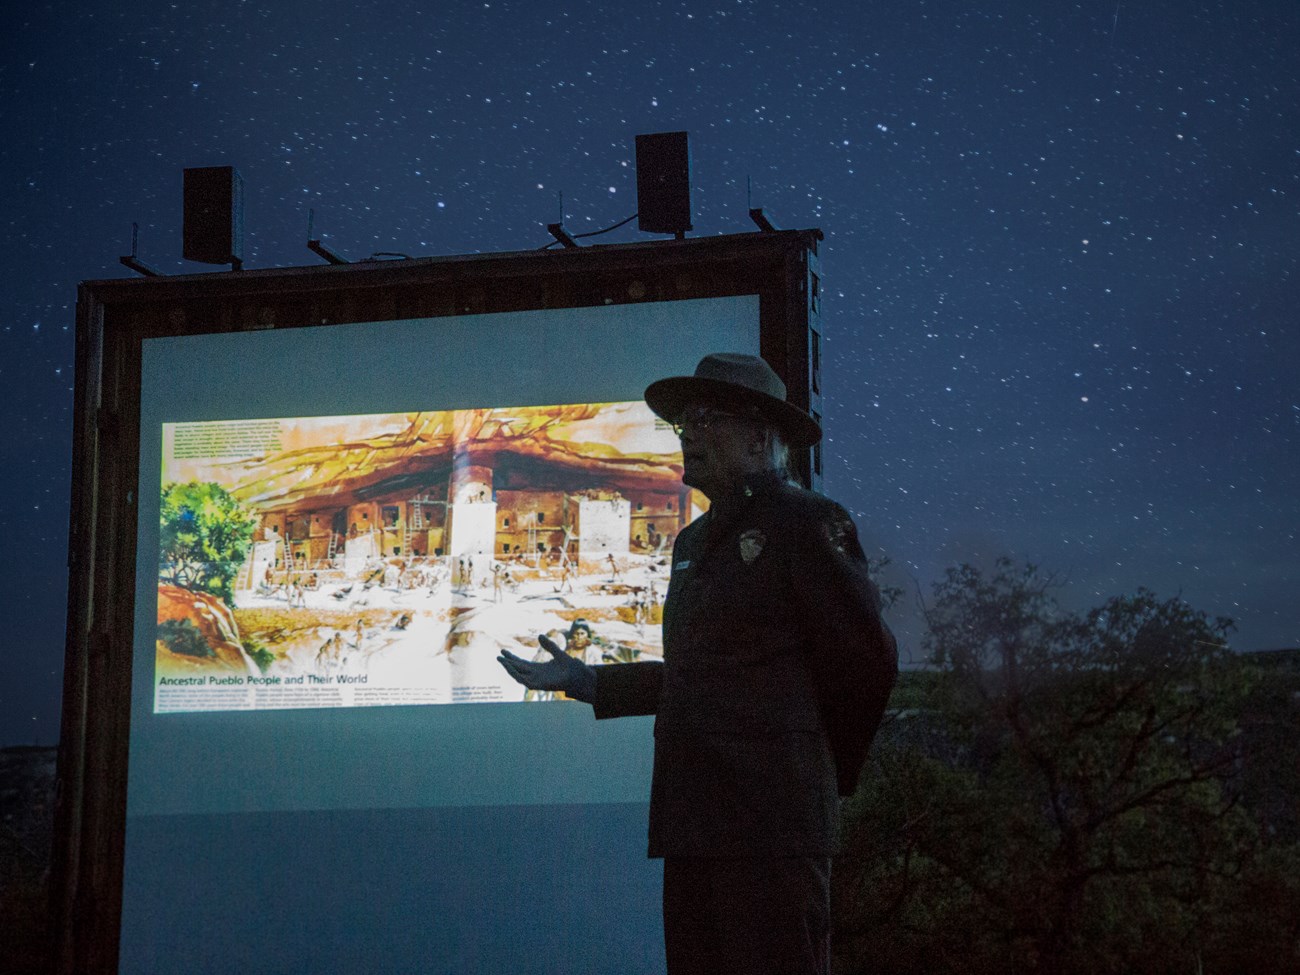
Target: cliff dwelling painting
{"x":386,"y":559}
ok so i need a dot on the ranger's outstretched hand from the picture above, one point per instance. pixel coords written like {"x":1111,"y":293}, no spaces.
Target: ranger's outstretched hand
{"x":560,"y":673}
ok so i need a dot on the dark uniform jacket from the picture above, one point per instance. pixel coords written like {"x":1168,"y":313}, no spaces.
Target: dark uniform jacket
{"x":776,"y":670}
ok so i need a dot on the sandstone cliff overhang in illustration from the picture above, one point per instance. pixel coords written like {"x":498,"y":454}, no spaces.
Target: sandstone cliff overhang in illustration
{"x":348,"y":460}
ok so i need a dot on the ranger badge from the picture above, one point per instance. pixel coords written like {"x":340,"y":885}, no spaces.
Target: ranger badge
{"x":751,"y":544}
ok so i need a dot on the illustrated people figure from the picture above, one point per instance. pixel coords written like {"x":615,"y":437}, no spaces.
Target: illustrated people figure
{"x":330,"y":656}
{"x":613,"y":567}
{"x":757,"y":730}
{"x":566,"y":577}
{"x":322,"y":662}
{"x":580,"y":642}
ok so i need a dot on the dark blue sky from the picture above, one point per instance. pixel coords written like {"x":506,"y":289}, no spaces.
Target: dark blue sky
{"x":1061,"y":254}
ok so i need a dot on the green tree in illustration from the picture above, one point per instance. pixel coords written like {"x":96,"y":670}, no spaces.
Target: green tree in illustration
{"x":206,"y":535}
{"x":1061,"y":793}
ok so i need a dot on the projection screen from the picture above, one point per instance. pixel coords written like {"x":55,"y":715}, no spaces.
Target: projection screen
{"x":339,"y":528}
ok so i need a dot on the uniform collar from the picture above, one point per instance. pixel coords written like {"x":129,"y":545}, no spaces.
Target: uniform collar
{"x":764,"y":482}
{"x":744,"y":490}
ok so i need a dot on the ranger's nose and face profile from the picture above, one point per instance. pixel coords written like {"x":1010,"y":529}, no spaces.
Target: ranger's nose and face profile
{"x":715,"y":445}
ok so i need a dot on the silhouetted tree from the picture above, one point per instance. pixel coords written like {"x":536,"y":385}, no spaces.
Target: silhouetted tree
{"x":1064,"y":798}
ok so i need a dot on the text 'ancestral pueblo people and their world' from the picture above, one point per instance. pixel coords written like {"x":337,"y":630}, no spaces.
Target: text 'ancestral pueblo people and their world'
{"x":387,"y":559}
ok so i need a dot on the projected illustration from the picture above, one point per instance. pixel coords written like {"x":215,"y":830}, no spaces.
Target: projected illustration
{"x":387,"y":559}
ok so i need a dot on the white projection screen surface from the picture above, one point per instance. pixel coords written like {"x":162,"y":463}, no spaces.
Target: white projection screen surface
{"x":328,"y":772}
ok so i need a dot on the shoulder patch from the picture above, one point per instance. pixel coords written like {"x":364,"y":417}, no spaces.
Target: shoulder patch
{"x":842,"y":533}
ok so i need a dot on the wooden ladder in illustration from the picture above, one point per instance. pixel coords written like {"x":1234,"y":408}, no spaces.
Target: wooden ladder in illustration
{"x":246,"y":573}
{"x":413,"y":523}
{"x":418,"y":521}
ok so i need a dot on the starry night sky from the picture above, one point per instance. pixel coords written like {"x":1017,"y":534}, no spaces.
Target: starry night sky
{"x":1060,"y":260}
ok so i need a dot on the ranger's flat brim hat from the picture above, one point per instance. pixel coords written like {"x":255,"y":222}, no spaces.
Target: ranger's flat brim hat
{"x":737,"y":382}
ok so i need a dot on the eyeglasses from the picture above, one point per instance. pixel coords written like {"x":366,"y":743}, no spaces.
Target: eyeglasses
{"x":704,"y":417}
